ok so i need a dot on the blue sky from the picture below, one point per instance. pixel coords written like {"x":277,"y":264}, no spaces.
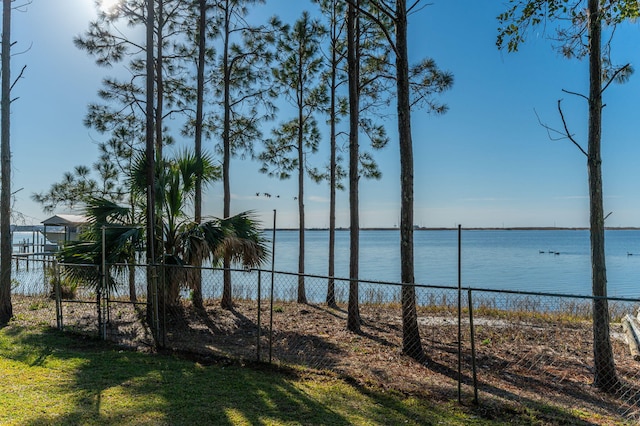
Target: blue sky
{"x":486,"y":163}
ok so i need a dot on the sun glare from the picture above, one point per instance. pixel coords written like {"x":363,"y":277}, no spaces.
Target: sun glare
{"x":108,"y":6}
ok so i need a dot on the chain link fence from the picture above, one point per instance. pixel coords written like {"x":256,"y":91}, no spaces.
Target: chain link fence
{"x":541,"y":348}
{"x":482,"y":346}
{"x":33,"y":291}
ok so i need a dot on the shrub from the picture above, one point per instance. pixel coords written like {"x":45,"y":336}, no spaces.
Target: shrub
{"x":68,"y":286}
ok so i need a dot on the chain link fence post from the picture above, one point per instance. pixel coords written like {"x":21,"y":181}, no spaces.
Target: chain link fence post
{"x":459,"y":314}
{"x":273,"y":263}
{"x":152,"y":302}
{"x":473,"y":350}
{"x":102,"y":318}
{"x":164,"y":297}
{"x":271,"y":317}
{"x":58,"y":294}
{"x":99,"y":310}
{"x":259,"y":316}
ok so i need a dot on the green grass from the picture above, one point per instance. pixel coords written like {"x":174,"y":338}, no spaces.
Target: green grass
{"x":48,"y":377}
{"x":53,"y":378}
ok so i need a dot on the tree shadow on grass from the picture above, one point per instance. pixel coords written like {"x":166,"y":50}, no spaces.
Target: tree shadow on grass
{"x":112,"y":386}
{"x":335,"y":311}
{"x":234,"y":333}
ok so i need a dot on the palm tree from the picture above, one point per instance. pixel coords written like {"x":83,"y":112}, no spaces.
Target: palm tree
{"x":122,"y":238}
{"x":237,"y":237}
{"x":184,"y":242}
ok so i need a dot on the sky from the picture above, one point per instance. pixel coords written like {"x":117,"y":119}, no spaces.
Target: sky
{"x":486,"y":163}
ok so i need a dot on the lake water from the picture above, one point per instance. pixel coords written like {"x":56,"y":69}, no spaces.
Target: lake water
{"x":494,"y":259}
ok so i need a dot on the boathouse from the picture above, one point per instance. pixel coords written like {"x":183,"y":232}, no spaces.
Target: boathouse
{"x":61,"y":228}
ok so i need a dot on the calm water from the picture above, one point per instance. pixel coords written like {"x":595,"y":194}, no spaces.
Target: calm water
{"x":496,"y":259}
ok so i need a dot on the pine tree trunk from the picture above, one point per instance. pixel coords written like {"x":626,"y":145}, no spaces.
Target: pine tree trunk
{"x":331,"y":286}
{"x":411,"y":344}
{"x":227,"y":294}
{"x":605,"y":372}
{"x":197,"y":203}
{"x":159,"y":80}
{"x":302,"y":296}
{"x":6,"y":308}
{"x":152,"y":305}
{"x":353,"y":308}
{"x":202,"y":37}
{"x":133,"y":297}
{"x":165,"y":288}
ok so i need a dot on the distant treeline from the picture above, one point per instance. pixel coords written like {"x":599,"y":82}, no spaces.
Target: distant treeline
{"x":523,"y":228}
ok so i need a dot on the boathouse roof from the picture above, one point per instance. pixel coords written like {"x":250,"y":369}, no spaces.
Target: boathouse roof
{"x":66,"y":220}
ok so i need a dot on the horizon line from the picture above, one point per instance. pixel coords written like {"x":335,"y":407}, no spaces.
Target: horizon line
{"x":473,"y":228}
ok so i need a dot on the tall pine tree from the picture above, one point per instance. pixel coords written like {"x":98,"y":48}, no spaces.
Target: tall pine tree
{"x":297,"y":76}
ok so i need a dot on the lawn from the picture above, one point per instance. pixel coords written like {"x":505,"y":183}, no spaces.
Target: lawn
{"x":48,"y":377}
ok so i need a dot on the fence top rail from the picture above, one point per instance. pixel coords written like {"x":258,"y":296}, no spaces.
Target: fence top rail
{"x":559,"y":295}
{"x":79,"y":265}
{"x":474,"y":289}
{"x":416,"y":285}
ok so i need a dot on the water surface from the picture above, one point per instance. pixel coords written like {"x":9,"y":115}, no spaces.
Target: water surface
{"x":556,"y":261}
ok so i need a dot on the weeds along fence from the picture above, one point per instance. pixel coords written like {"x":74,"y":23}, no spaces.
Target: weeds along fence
{"x":480,"y":345}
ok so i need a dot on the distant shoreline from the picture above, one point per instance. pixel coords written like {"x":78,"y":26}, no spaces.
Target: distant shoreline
{"x":524,"y":228}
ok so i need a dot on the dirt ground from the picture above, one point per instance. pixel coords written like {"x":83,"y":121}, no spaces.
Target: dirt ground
{"x":521,"y":362}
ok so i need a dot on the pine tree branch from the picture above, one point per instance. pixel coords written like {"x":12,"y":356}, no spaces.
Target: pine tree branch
{"x":381,"y":25}
{"x":563,"y":135}
{"x":410,"y":9}
{"x":20,"y":74}
{"x":613,"y":77}
{"x":566,"y":129}
{"x":576,"y":94}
